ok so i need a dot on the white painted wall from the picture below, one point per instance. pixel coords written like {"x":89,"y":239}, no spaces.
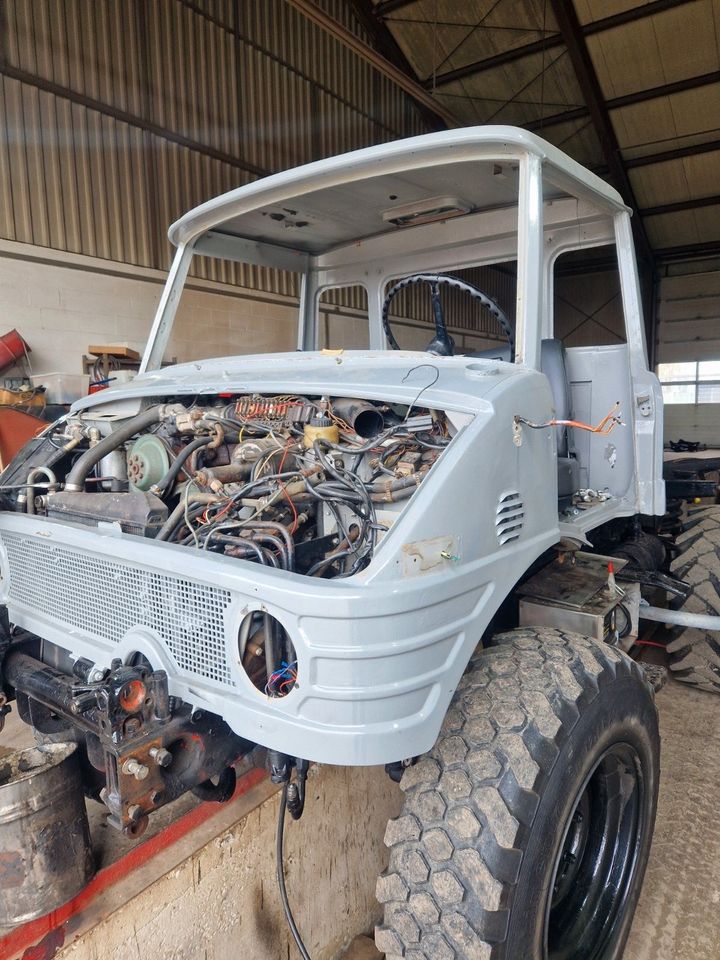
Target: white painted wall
{"x":61,"y":304}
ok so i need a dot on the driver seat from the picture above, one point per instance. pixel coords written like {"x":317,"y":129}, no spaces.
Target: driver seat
{"x":552,"y":364}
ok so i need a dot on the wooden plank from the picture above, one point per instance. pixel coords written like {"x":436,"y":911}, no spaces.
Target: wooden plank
{"x":120,"y":352}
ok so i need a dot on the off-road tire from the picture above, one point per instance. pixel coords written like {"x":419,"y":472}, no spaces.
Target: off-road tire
{"x":695,"y":654}
{"x":474,"y":852}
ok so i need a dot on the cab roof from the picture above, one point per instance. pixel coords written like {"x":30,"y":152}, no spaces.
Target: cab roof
{"x":317,"y":207}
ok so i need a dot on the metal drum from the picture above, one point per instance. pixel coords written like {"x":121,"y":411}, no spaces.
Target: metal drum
{"x":45,"y":852}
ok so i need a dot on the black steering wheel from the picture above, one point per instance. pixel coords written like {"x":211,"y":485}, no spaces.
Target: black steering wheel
{"x":442,"y":343}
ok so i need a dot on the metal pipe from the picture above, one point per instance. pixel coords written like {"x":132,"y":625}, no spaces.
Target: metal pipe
{"x":26,"y":498}
{"x":76,"y":478}
{"x":179,"y":511}
{"x":700,"y":621}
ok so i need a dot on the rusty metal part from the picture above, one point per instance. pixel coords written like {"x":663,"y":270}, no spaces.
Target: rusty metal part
{"x":138,"y":512}
{"x":344,"y":544}
{"x":134,"y":761}
{"x":45,"y":852}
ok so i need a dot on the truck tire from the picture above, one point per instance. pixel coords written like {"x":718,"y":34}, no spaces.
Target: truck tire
{"x":526,"y":829}
{"x":695,"y":654}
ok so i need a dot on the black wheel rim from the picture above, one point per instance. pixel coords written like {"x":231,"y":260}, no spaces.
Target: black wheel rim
{"x":595,"y":864}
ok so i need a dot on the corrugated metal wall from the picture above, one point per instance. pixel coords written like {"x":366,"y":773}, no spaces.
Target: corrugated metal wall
{"x":688,"y":315}
{"x":689,"y":312}
{"x":116,"y":116}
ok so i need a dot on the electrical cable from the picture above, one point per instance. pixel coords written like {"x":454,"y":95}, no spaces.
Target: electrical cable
{"x":628,"y":622}
{"x":279,"y":857}
{"x":602,"y":428}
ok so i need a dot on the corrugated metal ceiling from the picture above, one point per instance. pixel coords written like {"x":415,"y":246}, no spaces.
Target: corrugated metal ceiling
{"x":657,"y":65}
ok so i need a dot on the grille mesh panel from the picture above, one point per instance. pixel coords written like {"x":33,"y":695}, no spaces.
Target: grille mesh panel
{"x":107,"y":598}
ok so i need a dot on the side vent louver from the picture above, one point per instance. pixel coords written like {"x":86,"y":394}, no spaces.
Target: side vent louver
{"x":509,"y":517}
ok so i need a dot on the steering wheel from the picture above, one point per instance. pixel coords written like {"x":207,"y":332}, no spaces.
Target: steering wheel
{"x":442,"y":343}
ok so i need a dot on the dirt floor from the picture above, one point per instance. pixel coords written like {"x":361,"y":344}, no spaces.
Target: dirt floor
{"x":678,"y":917}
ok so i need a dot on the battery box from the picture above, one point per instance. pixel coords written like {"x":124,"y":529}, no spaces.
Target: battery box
{"x":572,"y":593}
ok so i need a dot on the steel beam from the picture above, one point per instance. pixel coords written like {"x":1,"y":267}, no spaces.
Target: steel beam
{"x":548,"y":43}
{"x":571,"y":31}
{"x":680,"y":206}
{"x":106,"y":109}
{"x":630,"y":99}
{"x":689,"y":251}
{"x":386,"y":45}
{"x":692,"y":150}
{"x":389,"y":6}
{"x":315,"y":14}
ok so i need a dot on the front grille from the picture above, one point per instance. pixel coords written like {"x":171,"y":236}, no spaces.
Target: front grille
{"x":107,"y":598}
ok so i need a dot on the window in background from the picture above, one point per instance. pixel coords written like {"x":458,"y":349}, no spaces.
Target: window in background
{"x":691,"y":381}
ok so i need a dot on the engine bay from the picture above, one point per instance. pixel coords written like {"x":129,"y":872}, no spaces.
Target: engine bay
{"x":308,"y":485}
{"x":303,"y":484}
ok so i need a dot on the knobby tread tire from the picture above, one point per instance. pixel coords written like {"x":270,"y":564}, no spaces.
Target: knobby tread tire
{"x":457,"y":847}
{"x":695,"y":654}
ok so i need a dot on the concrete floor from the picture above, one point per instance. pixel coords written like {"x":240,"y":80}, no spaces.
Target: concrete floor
{"x":222,"y":902}
{"x":678,"y":917}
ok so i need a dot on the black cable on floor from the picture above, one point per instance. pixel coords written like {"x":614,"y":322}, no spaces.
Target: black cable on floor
{"x":281,"y":875}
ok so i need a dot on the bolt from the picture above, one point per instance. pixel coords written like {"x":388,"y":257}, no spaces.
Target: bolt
{"x":134,"y":768}
{"x":161,"y":756}
{"x":134,"y":811}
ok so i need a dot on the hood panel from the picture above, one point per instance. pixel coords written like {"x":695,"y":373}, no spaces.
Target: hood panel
{"x":453,"y":383}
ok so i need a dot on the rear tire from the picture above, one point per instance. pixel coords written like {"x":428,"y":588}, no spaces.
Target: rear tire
{"x":695,"y":654}
{"x":549,"y":755}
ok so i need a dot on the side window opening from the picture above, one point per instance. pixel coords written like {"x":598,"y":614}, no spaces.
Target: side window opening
{"x":343,"y":319}
{"x":587,"y":305}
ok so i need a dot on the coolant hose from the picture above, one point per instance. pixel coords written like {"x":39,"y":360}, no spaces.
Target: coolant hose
{"x":700,"y":621}
{"x":78,"y":474}
{"x":171,"y":474}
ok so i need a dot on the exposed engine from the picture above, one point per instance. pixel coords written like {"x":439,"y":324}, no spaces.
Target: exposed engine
{"x":308,"y":485}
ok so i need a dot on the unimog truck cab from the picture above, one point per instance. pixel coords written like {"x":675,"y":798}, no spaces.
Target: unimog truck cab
{"x":330,"y":553}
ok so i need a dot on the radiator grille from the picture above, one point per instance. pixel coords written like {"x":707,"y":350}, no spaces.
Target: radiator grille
{"x":509,"y":517}
{"x":107,"y":598}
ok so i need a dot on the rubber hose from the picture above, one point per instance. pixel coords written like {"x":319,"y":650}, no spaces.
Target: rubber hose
{"x":83,"y":465}
{"x":176,"y":466}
